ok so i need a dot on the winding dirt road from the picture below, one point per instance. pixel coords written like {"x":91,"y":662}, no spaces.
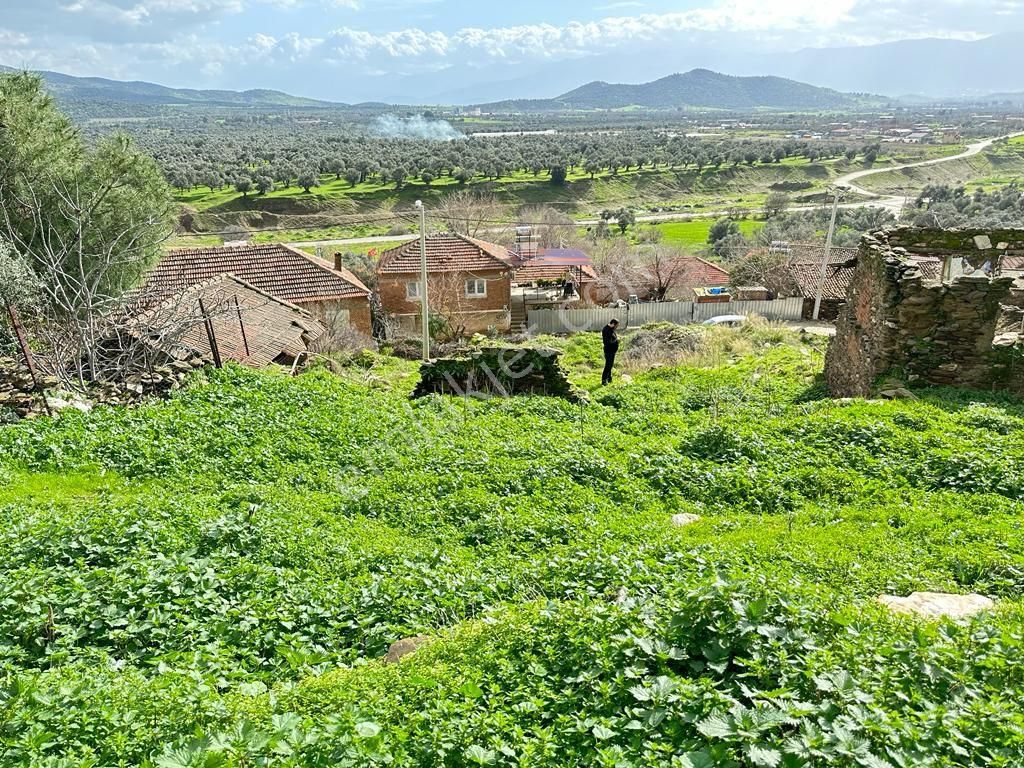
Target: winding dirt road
{"x":848,"y":181}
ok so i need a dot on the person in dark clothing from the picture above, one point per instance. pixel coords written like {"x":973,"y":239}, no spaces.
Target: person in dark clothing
{"x":611,"y":346}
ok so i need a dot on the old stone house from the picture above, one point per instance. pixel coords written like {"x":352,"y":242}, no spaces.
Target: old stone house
{"x":329,"y":292}
{"x":469,"y":284}
{"x":958,"y":326}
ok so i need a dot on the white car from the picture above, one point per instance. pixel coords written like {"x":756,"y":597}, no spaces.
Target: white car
{"x":730,"y":320}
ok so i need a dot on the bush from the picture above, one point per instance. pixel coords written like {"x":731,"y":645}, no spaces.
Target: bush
{"x":664,"y":344}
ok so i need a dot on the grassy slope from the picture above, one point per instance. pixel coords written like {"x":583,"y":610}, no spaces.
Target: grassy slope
{"x":693,"y":234}
{"x":1002,"y":164}
{"x":162,"y":568}
{"x":743,"y":186}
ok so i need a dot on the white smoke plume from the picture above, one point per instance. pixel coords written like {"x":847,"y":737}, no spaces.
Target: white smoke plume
{"x":416,"y":127}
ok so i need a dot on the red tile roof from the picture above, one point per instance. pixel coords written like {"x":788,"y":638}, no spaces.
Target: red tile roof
{"x":272,"y":328}
{"x":807,"y":275}
{"x":284,"y":272}
{"x":695,"y":272}
{"x":805,"y":267}
{"x":445,"y":253}
{"x":802,"y":254}
{"x":1013,"y":263}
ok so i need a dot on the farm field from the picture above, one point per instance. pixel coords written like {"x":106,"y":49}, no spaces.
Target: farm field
{"x":213,"y":580}
{"x":694,"y":233}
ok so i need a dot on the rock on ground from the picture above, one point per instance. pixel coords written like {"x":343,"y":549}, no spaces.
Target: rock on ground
{"x":684,"y":519}
{"x":934,"y":605}
{"x":404,"y":647}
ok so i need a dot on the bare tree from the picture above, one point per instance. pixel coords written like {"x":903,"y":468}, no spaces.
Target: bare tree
{"x":550,"y":227}
{"x":469,"y":212}
{"x":85,"y":266}
{"x":448,"y":304}
{"x":661,"y":268}
{"x":762,"y":266}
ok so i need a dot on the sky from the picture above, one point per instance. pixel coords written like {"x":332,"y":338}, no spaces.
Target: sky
{"x":417,"y":50}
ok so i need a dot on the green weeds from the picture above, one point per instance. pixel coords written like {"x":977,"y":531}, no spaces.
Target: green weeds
{"x":211,"y":580}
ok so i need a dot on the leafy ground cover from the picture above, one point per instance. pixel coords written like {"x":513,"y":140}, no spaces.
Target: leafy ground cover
{"x":212,"y":580}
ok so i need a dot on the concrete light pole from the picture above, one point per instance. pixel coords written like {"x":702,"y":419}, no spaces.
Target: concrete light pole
{"x":828,"y":254}
{"x":424,"y":307}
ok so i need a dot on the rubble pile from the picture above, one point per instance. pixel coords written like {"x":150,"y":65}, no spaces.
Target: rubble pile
{"x":20,"y":399}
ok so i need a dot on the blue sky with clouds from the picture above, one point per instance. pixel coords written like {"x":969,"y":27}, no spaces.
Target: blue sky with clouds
{"x":422,"y":50}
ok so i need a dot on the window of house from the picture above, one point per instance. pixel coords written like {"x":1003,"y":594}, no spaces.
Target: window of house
{"x":412,"y":291}
{"x":476,"y":289}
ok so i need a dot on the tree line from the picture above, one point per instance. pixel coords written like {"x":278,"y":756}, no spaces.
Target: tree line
{"x":260,"y":157}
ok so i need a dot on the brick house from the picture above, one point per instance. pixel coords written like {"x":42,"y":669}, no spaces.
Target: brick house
{"x":469,"y":283}
{"x":329,"y":292}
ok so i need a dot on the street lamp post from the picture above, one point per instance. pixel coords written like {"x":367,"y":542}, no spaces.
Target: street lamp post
{"x":424,"y":306}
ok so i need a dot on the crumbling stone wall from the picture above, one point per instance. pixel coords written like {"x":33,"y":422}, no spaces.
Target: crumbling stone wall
{"x":897,"y":322}
{"x":498,"y":372}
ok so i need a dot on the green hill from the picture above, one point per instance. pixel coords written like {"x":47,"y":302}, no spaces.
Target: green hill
{"x":98,"y":90}
{"x":697,"y":88}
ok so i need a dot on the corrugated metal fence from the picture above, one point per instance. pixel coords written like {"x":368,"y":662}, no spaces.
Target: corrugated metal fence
{"x":635,"y":315}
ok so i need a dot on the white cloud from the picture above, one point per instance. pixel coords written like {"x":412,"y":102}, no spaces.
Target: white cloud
{"x":12,"y":39}
{"x":191,"y":41}
{"x":805,"y":22}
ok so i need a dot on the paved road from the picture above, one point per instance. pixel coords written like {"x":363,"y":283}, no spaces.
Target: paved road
{"x":894,"y":203}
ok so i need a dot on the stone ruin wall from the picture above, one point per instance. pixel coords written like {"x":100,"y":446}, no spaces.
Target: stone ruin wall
{"x":498,"y":371}
{"x":929,"y":332}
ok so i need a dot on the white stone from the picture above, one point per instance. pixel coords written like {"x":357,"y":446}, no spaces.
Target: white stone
{"x":684,"y":519}
{"x":983,"y":242}
{"x":60,"y":404}
{"x":934,"y":605}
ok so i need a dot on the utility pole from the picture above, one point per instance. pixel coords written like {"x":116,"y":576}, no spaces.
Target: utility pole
{"x":828,"y":254}
{"x":424,"y":306}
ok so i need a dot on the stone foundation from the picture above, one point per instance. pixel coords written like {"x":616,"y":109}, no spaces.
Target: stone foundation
{"x":933,"y":332}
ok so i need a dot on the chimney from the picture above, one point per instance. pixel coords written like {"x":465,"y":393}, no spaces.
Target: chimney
{"x":338,"y":266}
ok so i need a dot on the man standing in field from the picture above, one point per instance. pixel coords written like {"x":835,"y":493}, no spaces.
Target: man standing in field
{"x":611,"y":346}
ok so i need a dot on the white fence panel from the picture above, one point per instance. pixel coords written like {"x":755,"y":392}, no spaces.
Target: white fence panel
{"x":570,"y":320}
{"x":780,"y":309}
{"x":559,"y":321}
{"x":680,"y":312}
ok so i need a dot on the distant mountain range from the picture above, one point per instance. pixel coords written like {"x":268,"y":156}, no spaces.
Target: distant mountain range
{"x":936,"y":69}
{"x":97,"y":90}
{"x":697,"y":88}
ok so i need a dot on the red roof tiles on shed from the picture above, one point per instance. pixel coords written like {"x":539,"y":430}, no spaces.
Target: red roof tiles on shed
{"x":250,"y":326}
{"x":276,"y":269}
{"x":695,"y":272}
{"x":445,"y":253}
